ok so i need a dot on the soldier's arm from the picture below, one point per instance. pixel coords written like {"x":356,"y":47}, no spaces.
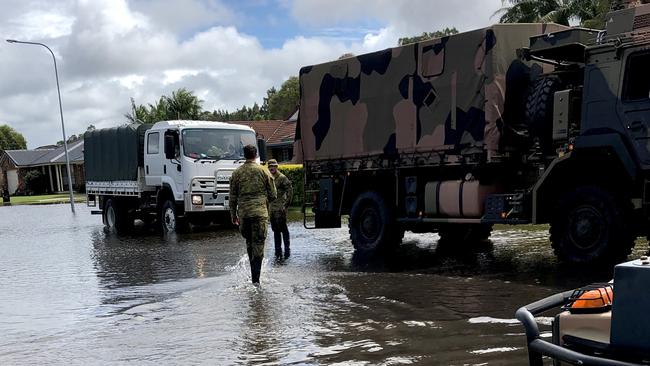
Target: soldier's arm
{"x":289,"y":187}
{"x":271,"y":191}
{"x":233,"y":195}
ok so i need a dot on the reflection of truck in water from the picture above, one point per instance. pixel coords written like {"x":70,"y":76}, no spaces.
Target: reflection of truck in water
{"x":171,"y":173}
{"x":510,"y":124}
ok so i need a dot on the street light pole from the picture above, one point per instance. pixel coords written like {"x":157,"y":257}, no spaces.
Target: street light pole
{"x":65,"y":140}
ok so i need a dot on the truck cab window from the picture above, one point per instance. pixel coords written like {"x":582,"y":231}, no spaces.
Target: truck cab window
{"x":215,"y":144}
{"x":153,"y":140}
{"x":637,"y":80}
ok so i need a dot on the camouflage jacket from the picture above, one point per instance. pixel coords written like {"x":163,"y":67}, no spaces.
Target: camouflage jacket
{"x":285,"y":192}
{"x":251,"y":189}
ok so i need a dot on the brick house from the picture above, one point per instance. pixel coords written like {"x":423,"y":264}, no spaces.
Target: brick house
{"x":50,"y":161}
{"x":279,"y":136}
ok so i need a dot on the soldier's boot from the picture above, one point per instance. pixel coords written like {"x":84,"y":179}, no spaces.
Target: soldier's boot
{"x":277,"y":236}
{"x":256,"y":270}
{"x":287,"y":245}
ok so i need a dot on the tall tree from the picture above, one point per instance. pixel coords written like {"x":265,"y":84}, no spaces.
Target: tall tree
{"x":427,"y":35}
{"x":284,"y":102}
{"x":11,"y":139}
{"x":587,"y":12}
{"x":183,"y":104}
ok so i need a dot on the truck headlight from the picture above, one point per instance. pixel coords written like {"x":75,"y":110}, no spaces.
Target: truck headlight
{"x":197,"y":199}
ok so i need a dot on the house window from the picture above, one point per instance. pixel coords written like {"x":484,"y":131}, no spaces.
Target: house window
{"x":153,"y":141}
{"x":637,"y":79}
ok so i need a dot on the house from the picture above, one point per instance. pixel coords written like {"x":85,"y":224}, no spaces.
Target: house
{"x":279,"y":136}
{"x":49,"y":160}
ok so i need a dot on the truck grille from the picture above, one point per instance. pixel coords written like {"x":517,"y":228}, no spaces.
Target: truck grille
{"x":206,"y":184}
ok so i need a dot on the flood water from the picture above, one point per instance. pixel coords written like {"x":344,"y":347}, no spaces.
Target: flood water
{"x":72,"y":294}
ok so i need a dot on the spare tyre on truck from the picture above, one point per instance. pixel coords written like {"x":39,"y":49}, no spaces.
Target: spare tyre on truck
{"x":509,"y":124}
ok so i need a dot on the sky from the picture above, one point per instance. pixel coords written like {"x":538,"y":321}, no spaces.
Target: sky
{"x":229,"y":52}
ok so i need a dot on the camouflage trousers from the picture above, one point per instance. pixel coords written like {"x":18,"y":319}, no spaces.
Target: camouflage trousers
{"x":253,"y":229}
{"x":280,"y":231}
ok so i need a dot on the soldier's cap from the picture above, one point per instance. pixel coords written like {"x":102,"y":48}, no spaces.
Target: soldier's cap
{"x":272,"y":162}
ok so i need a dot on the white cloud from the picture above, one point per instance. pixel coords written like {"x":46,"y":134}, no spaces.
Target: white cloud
{"x":111,"y":50}
{"x":407,"y":17}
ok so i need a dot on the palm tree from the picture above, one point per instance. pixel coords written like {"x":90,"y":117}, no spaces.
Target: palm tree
{"x":183,"y":104}
{"x":558,"y":11}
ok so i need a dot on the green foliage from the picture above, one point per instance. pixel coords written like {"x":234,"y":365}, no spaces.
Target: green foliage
{"x":281,"y":104}
{"x":11,"y":139}
{"x":182,"y":104}
{"x":428,"y":35}
{"x":590,"y":13}
{"x":35,"y":181}
{"x":295,"y":173}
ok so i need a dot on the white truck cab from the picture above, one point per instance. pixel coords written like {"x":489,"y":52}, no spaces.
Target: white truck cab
{"x":194,"y":160}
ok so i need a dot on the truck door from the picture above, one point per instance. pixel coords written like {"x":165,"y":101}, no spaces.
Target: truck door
{"x":635,"y":101}
{"x":153,"y":153}
{"x":172,"y":167}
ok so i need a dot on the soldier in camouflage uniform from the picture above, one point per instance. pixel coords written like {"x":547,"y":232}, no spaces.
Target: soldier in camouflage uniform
{"x":278,"y":208}
{"x":251,"y":190}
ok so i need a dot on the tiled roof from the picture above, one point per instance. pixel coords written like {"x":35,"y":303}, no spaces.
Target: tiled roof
{"x":273,"y":131}
{"x":24,"y":158}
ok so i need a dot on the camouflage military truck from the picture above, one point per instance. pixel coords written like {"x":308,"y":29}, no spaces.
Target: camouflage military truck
{"x":510,"y":124}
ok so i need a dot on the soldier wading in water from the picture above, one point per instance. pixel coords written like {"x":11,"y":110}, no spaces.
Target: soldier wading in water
{"x":251,"y":190}
{"x":278,"y":208}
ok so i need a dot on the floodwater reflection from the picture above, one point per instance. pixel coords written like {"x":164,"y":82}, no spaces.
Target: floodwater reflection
{"x":74,"y":294}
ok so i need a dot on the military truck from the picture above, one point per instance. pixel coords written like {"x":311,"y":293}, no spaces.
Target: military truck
{"x":510,"y":124}
{"x":172,"y":173}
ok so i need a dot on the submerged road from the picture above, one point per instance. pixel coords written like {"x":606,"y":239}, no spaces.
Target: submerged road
{"x":72,"y":294}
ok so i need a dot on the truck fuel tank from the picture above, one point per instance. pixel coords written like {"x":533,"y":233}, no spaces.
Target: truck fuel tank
{"x":456,"y":198}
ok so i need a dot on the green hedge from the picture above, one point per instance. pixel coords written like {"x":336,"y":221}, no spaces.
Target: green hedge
{"x":295,"y":173}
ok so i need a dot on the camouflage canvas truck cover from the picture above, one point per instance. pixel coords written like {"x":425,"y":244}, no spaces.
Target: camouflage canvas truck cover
{"x":510,"y":124}
{"x":447,"y":94}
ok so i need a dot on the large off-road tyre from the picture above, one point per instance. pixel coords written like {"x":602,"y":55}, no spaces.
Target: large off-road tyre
{"x":592,"y":225}
{"x":372,"y":224}
{"x":539,"y":111}
{"x":116,"y":217}
{"x":465,"y":233}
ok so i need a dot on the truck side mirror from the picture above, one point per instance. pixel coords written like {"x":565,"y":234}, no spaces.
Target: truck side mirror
{"x":261,"y":149}
{"x":170,"y":149}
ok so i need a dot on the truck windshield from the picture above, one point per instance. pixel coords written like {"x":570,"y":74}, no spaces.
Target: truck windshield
{"x":216,"y":144}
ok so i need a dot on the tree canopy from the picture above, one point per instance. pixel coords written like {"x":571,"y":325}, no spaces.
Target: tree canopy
{"x":183,"y":104}
{"x":11,"y":139}
{"x":589,"y":13}
{"x":428,"y":35}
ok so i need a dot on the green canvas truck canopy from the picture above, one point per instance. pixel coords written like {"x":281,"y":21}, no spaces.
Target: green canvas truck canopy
{"x":114,"y":154}
{"x":457,"y":93}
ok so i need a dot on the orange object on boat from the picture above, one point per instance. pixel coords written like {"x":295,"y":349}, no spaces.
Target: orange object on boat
{"x":593,"y":298}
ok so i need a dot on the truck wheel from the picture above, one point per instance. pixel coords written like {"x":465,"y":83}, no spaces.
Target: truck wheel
{"x":591,"y":225}
{"x":465,"y":233}
{"x":539,"y":110}
{"x":167,"y":217}
{"x":372,"y":224}
{"x":116,"y":217}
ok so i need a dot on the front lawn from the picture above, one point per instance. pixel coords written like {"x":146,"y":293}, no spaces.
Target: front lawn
{"x":46,"y":199}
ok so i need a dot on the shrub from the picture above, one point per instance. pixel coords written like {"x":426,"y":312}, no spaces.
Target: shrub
{"x":35,"y":182}
{"x":295,"y":173}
